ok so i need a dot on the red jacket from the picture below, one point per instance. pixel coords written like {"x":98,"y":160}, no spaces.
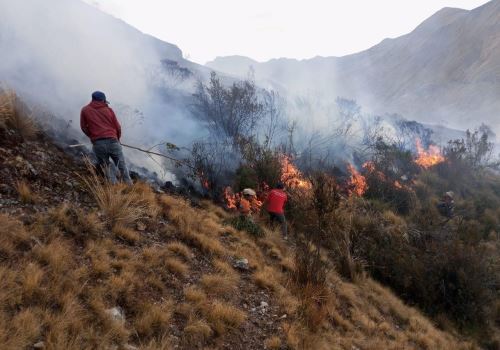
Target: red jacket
{"x":98,"y":121}
{"x":276,"y":201}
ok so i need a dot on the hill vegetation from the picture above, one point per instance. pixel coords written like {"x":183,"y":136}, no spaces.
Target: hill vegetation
{"x":85,"y":265}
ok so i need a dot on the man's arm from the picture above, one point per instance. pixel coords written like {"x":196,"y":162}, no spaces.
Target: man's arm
{"x":116,"y":124}
{"x":83,"y":123}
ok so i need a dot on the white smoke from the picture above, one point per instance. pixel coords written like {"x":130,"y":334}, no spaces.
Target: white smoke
{"x":55,"y":53}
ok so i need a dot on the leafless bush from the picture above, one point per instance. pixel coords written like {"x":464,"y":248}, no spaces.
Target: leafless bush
{"x":229,"y":112}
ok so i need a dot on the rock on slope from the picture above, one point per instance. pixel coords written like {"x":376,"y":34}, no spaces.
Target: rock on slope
{"x":84,"y":265}
{"x":446,"y":71}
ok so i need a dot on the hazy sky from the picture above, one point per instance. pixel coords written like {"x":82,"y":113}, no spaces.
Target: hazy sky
{"x":265,"y":29}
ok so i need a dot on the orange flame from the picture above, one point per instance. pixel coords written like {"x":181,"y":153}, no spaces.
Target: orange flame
{"x":428,"y":158}
{"x":357,"y":182}
{"x":291,"y":176}
{"x":230,"y":198}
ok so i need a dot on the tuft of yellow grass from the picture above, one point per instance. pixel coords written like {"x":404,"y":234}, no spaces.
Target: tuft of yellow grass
{"x":267,"y":278}
{"x":177,"y":267}
{"x":25,"y":194}
{"x":122,"y":204}
{"x":181,"y":249}
{"x":16,"y":116}
{"x":12,"y":235}
{"x":56,"y":255}
{"x":125,"y":233}
{"x":223,"y":316}
{"x":197,"y":331}
{"x":195,"y":296}
{"x":273,"y":343}
{"x":154,"y":319}
{"x":220,"y":285}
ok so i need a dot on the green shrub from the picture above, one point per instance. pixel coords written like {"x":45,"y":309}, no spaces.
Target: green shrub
{"x":246,"y":224}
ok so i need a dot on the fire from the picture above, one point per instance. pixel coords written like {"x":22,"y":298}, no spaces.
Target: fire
{"x":203,"y":180}
{"x":357,"y":182}
{"x":256,"y":205}
{"x":428,"y":158}
{"x":230,"y":198}
{"x":291,"y":176}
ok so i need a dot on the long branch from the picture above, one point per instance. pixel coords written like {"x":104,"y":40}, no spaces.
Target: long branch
{"x":159,"y":154}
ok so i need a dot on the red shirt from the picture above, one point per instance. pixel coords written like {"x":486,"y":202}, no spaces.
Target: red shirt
{"x":276,"y":201}
{"x":98,"y":121}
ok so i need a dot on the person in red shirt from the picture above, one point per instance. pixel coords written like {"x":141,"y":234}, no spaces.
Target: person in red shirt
{"x":100,"y":124}
{"x":276,"y":200}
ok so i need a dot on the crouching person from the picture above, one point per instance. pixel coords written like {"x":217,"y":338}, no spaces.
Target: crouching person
{"x":99,"y":123}
{"x":245,"y":205}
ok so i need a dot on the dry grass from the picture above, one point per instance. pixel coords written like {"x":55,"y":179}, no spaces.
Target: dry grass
{"x":180,"y":249}
{"x":197,"y":331}
{"x":223,"y":316}
{"x":25,"y":194}
{"x":219,"y":285}
{"x":121,"y":204}
{"x":177,"y":267}
{"x":127,"y":234}
{"x":195,"y":296}
{"x":16,"y":116}
{"x":273,"y":343}
{"x":267,"y":278}
{"x":56,"y":287}
{"x":13,"y":236}
{"x":154,"y":319}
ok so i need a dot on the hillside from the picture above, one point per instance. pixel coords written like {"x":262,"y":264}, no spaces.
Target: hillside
{"x":445,"y":71}
{"x":87,"y":265}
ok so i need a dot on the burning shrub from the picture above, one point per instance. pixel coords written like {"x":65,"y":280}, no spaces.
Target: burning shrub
{"x":389,"y":176}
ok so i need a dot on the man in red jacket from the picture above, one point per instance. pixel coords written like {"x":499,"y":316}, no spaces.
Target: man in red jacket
{"x":99,"y":123}
{"x":276,"y":200}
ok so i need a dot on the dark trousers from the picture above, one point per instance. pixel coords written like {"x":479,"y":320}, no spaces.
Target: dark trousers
{"x":279,"y":218}
{"x":106,"y":149}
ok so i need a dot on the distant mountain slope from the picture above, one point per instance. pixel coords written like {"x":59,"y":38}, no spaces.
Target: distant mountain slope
{"x":446,"y":71}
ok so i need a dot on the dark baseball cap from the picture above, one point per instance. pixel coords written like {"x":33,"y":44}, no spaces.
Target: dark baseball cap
{"x":99,"y":96}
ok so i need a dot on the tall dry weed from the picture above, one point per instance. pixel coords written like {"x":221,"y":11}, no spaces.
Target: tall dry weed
{"x":16,"y":116}
{"x":121,"y":204}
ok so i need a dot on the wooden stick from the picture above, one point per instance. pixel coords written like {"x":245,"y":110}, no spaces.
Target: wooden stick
{"x":158,"y":154}
{"x":145,"y":151}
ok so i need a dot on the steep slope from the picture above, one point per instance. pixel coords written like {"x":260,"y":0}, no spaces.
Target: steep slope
{"x":55,"y":56}
{"x":445,"y":71}
{"x":86,"y":265}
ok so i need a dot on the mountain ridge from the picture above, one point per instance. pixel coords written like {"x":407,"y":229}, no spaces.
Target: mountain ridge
{"x":432,"y":74}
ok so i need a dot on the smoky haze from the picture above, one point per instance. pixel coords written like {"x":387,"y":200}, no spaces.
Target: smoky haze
{"x":55,"y":53}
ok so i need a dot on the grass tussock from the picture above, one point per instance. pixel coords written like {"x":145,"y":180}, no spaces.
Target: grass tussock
{"x":127,"y":234}
{"x":219,"y":285}
{"x":154,"y":319}
{"x":197,"y":331}
{"x":223,"y":316}
{"x":13,"y":236}
{"x":180,"y":249}
{"x":16,"y":116}
{"x":177,"y":267}
{"x":273,"y":343}
{"x":121,"y":204}
{"x":26,"y":195}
